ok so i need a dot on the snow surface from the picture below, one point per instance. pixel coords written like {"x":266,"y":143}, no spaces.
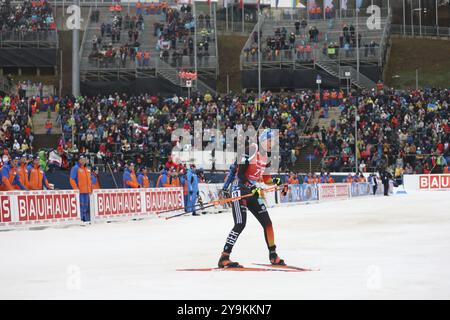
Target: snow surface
{"x":368,"y":248}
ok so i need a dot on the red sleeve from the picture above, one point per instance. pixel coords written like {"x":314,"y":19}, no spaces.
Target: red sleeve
{"x":267,"y":179}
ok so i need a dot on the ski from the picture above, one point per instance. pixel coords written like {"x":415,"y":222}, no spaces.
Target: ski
{"x":243,"y":269}
{"x":286,"y":267}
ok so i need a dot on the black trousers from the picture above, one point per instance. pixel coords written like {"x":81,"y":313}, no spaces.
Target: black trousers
{"x":259,"y":210}
{"x":375,"y":187}
{"x":386,"y":188}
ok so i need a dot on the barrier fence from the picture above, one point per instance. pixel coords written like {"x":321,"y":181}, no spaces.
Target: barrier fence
{"x":423,"y":182}
{"x":125,"y":204}
{"x":22,"y":209}
{"x":39,"y":208}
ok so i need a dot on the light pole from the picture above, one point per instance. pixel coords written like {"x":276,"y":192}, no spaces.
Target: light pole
{"x":356,"y":138}
{"x":412,"y":18}
{"x":226,"y":15}
{"x":318,"y":81}
{"x":259,"y":52}
{"x":348,"y":78}
{"x":404,"y":18}
{"x":76,"y":50}
{"x":357,"y":45}
{"x":420,"y":19}
{"x":437,"y":17}
{"x":195,"y":43}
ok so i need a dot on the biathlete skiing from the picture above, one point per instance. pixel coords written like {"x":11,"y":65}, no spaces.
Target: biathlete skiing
{"x":246,"y":174}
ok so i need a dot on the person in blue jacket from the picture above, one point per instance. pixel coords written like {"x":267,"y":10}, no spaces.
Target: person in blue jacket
{"x":9,"y":170}
{"x":192,"y":186}
{"x":129,"y":177}
{"x":183,"y":184}
{"x":229,"y":180}
{"x":162,"y":179}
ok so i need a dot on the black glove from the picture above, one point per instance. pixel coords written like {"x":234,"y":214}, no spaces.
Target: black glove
{"x":276,"y":181}
{"x":226,"y":193}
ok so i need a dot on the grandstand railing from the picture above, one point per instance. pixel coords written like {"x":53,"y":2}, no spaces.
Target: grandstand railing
{"x":112,"y":68}
{"x":292,"y":57}
{"x":27,"y":39}
{"x":427,"y":31}
{"x":83,"y":40}
{"x":5,"y":85}
{"x":302,"y":14}
{"x":407,"y":158}
{"x":330,"y":31}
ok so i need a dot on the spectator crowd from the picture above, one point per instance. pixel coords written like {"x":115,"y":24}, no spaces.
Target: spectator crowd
{"x":26,"y":16}
{"x":407,"y":131}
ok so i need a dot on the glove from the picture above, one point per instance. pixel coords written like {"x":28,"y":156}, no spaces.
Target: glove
{"x":276,"y":181}
{"x":226,"y":193}
{"x":256,"y":191}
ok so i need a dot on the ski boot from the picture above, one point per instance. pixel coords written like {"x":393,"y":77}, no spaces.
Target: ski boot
{"x":275,"y":259}
{"x":225,"y":262}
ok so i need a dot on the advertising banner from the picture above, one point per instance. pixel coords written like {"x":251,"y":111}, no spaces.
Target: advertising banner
{"x":426,"y":182}
{"x":333,"y":191}
{"x":33,"y":208}
{"x":361,"y":189}
{"x":300,"y":193}
{"x":123,"y":204}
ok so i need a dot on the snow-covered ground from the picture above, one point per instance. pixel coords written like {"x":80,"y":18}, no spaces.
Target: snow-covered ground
{"x":372,"y":248}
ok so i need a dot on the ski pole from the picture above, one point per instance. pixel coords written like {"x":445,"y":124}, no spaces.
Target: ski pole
{"x":222,"y":201}
{"x":209,"y":205}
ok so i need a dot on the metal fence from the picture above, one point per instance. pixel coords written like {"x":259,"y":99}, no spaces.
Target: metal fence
{"x":293,"y":56}
{"x":418,"y":31}
{"x":35,"y":39}
{"x":372,"y":46}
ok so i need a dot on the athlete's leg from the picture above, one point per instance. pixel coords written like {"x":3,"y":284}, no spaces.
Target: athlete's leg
{"x":259,"y":210}
{"x":240,"y":219}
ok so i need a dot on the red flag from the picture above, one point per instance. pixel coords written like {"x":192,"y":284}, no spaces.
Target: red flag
{"x":209,"y":3}
{"x":241,"y":4}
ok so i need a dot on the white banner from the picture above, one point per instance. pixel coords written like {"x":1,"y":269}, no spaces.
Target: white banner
{"x":328,"y":3}
{"x":333,"y":191}
{"x":39,"y":208}
{"x":210,"y":192}
{"x":124,"y":204}
{"x":426,"y":181}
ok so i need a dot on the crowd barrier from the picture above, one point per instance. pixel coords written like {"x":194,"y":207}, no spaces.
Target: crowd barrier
{"x":421,"y":182}
{"x":61,"y":207}
{"x":125,"y":204}
{"x":209,"y":192}
{"x":39,"y":208}
{"x":300,"y":193}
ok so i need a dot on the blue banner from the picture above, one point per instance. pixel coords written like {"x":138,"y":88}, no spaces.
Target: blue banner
{"x":300,"y":193}
{"x":361,"y":189}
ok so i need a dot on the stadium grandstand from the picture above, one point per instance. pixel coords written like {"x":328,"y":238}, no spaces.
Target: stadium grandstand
{"x":28,"y":38}
{"x":139,"y":136}
{"x":297,"y":47}
{"x":132,"y":96}
{"x":151,"y":43}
